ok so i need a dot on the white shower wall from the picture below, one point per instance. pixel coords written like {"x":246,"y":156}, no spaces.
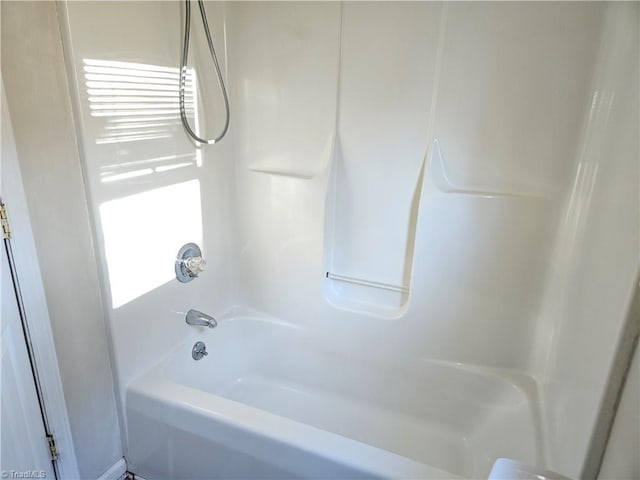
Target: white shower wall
{"x":594,"y":267}
{"x":423,"y":146}
{"x":364,"y":203}
{"x":151,"y":190}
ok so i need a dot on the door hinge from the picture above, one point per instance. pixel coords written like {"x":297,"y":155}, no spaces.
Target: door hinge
{"x":6,"y":230}
{"x":53,"y":450}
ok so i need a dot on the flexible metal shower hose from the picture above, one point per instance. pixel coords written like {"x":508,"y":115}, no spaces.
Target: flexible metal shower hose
{"x":183,"y":74}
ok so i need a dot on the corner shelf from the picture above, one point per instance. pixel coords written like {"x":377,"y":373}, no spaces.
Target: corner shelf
{"x":282,"y":173}
{"x":440,"y":179}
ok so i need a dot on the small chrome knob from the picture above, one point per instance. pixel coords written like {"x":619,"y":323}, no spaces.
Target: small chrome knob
{"x":199,"y":350}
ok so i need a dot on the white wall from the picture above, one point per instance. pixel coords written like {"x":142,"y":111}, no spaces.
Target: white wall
{"x":475,"y":246}
{"x":24,"y":444}
{"x":151,"y":195}
{"x":40,"y":108}
{"x":596,"y":257}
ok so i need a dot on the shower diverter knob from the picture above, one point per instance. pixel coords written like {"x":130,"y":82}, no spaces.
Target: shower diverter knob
{"x":189,"y":263}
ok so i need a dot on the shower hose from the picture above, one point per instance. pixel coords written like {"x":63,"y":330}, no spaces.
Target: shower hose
{"x":183,"y":74}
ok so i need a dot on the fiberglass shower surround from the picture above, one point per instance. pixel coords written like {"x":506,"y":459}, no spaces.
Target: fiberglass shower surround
{"x":401,"y":229}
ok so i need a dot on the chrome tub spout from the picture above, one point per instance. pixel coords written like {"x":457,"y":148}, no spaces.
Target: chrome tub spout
{"x":194,"y":317}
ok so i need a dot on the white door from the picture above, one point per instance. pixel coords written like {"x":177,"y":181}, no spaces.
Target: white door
{"x":23,"y":443}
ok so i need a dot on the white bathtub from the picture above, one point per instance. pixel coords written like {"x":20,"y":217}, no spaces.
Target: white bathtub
{"x":270,"y":402}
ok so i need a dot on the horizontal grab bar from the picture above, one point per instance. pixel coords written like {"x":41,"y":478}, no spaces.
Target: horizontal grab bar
{"x":367,"y":283}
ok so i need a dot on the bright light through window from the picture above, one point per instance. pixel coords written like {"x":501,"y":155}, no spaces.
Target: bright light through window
{"x":142,"y":235}
{"x":139,"y":102}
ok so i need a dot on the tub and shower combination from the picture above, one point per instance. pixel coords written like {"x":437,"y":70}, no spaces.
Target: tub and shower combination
{"x":405,"y":230}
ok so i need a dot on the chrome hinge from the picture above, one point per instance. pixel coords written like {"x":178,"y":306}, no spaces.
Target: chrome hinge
{"x":53,"y":450}
{"x":6,"y":230}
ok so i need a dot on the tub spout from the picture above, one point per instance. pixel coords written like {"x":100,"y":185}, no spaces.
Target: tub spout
{"x":194,"y":317}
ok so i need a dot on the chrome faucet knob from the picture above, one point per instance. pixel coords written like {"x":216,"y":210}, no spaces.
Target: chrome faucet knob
{"x":199,"y":350}
{"x":189,"y":263}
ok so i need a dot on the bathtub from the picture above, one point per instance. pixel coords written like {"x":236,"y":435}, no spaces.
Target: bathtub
{"x":272,"y":401}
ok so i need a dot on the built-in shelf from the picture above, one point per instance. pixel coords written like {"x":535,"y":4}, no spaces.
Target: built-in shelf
{"x":282,"y":173}
{"x":357,"y":232}
{"x":440,"y":178}
{"x":367,"y":283}
{"x":316,"y":169}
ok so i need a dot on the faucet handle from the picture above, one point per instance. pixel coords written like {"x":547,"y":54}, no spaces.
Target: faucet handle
{"x":189,"y":263}
{"x":195,"y":265}
{"x":199,"y":350}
